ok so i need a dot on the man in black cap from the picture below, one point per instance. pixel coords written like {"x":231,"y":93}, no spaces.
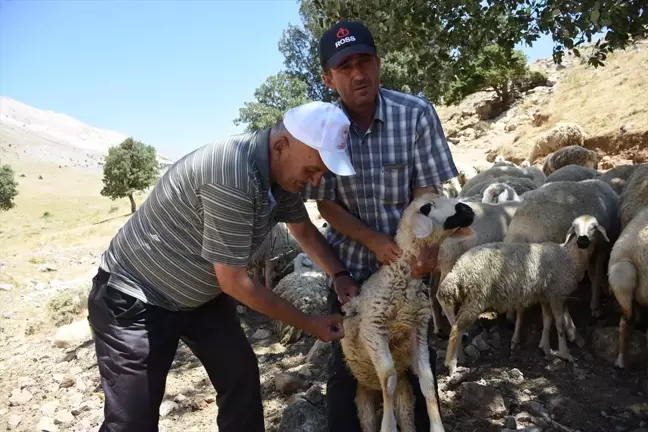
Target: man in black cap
{"x":398,"y":150}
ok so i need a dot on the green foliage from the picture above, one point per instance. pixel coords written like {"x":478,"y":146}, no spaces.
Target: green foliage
{"x":8,"y":187}
{"x":277,"y":95}
{"x":129,"y":167}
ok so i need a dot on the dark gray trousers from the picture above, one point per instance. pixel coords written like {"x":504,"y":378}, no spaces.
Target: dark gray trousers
{"x":342,"y":414}
{"x":136,"y":344}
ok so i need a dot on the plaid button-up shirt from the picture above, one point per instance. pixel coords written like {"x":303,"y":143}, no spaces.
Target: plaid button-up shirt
{"x":403,"y":148}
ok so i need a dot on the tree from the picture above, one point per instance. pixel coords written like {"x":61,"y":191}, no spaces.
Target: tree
{"x":129,"y":167}
{"x":8,"y":188}
{"x":277,"y":95}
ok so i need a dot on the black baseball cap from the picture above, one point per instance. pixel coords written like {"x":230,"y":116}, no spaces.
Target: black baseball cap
{"x":342,"y":40}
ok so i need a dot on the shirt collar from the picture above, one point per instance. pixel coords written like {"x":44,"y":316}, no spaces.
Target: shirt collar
{"x":262,"y":143}
{"x":380,"y":107}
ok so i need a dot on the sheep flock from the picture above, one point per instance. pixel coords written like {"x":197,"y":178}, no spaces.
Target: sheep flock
{"x":535,"y":232}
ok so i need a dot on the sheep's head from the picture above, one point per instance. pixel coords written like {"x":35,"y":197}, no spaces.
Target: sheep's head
{"x":431,"y":219}
{"x":499,"y":193}
{"x":584,"y":229}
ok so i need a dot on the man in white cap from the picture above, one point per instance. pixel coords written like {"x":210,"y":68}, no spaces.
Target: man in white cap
{"x":175,"y":268}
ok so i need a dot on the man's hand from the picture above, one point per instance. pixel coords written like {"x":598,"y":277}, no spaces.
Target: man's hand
{"x":345,"y":288}
{"x":425,"y":262}
{"x":326,"y":328}
{"x":384,"y":247}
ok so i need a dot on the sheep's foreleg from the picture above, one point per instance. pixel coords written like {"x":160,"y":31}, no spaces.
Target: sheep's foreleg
{"x":623,"y":339}
{"x":547,"y":319}
{"x":464,"y":319}
{"x":597,"y":272}
{"x":572,"y":332}
{"x":459,"y":355}
{"x":515,"y":340}
{"x":378,"y":349}
{"x":426,"y":377}
{"x":434,"y":304}
{"x":405,"y":405}
{"x":366,"y":405}
{"x":558,"y":309}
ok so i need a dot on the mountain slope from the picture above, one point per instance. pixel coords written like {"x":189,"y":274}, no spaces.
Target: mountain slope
{"x":29,"y":134}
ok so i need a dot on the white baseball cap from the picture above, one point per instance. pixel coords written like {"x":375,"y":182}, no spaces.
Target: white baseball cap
{"x":324,"y":127}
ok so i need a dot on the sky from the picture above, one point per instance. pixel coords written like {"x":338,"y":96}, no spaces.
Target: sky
{"x":171,"y":74}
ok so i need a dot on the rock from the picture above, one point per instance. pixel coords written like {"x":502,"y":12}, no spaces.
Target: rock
{"x":314,"y":394}
{"x":180,"y":398}
{"x":85,"y":406}
{"x":49,"y":409}
{"x":46,"y":424}
{"x":19,"y":397}
{"x":167,"y":407}
{"x":516,"y":375}
{"x":46,"y":268}
{"x":75,"y":333}
{"x":481,"y":401}
{"x":472,"y":352}
{"x":288,"y":383}
{"x":510,"y":423}
{"x":199,"y":403}
{"x":25,"y":381}
{"x":480,"y":343}
{"x":605,"y":342}
{"x":495,"y":341}
{"x":6,"y":287}
{"x":318,"y":350}
{"x":63,"y":418}
{"x":188,"y":391}
{"x":303,"y":416}
{"x":67,"y":381}
{"x":14,"y":421}
{"x":261,"y":334}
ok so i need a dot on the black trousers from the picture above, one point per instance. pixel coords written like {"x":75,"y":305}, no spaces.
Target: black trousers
{"x":136,"y":344}
{"x":342,"y":415}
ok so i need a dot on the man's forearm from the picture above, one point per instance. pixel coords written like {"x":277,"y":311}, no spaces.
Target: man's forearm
{"x":316,"y":247}
{"x":344,"y":222}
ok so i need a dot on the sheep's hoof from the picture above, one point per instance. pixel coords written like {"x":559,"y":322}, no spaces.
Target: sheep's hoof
{"x":452,"y":368}
{"x":619,"y":362}
{"x":515,"y":346}
{"x":566,"y":356}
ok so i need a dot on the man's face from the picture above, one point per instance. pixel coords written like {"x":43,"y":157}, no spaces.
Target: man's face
{"x":296,"y":164}
{"x":356,"y":79}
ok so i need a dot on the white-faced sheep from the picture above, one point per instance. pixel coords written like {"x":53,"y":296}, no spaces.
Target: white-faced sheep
{"x":498,"y":193}
{"x":490,"y":176}
{"x":618,"y":176}
{"x":545,"y":214}
{"x":571,"y":173}
{"x":635,"y":195}
{"x":628,"y":274}
{"x":506,"y":276}
{"x":570,"y":155}
{"x":489,"y":225}
{"x":519,"y":184}
{"x":386,"y":325}
{"x":561,"y":135}
{"x":306,"y":289}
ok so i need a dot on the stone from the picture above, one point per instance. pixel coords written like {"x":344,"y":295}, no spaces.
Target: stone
{"x":516,"y":375}
{"x":314,"y":394}
{"x":180,"y":398}
{"x":261,"y":334}
{"x":49,"y":408}
{"x":14,"y":421}
{"x":6,"y":287}
{"x":605,"y":341}
{"x":480,"y":400}
{"x":479,"y":342}
{"x":188,"y":391}
{"x":472,"y":352}
{"x":19,"y":397}
{"x":46,"y":424}
{"x":303,"y":416}
{"x":73,"y":334}
{"x":288,"y":383}
{"x":67,"y":381}
{"x":510,"y":422}
{"x":167,"y":407}
{"x":63,"y":418}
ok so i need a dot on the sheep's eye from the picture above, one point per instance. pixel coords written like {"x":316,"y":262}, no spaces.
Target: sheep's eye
{"x":425,"y":209}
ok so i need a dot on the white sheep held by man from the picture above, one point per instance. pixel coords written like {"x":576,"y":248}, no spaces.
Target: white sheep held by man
{"x":386,"y":325}
{"x":503,"y":276}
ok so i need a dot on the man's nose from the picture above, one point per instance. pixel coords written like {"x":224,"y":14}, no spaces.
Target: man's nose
{"x":317,"y":179}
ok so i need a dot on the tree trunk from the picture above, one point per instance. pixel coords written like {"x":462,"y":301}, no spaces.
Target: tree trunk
{"x":133,"y":205}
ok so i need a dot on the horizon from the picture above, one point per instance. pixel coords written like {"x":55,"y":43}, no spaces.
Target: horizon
{"x":59,"y":56}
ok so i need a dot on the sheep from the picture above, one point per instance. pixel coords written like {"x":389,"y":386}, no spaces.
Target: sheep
{"x":570,"y":155}
{"x":503,"y":276}
{"x":628,"y":274}
{"x":618,"y":176}
{"x":279,"y":247}
{"x":498,"y":193}
{"x":546,"y":213}
{"x":519,"y":184}
{"x":571,"y":173}
{"x":561,"y":135}
{"x":490,"y":224}
{"x":534,"y":173}
{"x":491,"y":174}
{"x":305,"y":288}
{"x":635,"y":195}
{"x":386,"y":324}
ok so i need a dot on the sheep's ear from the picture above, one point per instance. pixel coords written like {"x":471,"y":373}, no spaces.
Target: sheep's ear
{"x":603,"y":233}
{"x":422,"y":226}
{"x":570,"y":233}
{"x":463,"y":232}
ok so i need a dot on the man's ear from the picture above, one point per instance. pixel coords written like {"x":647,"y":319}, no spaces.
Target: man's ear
{"x":327,"y":78}
{"x":422,"y":226}
{"x":464,"y":232}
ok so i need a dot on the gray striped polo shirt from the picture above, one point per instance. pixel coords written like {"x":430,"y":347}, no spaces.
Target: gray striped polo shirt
{"x":215,"y":205}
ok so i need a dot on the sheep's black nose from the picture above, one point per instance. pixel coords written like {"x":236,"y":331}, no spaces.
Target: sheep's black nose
{"x":425,"y":209}
{"x":463,"y":217}
{"x":583,"y":242}
{"x":461,"y":208}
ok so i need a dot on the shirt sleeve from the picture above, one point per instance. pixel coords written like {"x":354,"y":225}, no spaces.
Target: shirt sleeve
{"x":433,"y":163}
{"x":324,"y":191}
{"x":228,"y":218}
{"x":292,"y":209}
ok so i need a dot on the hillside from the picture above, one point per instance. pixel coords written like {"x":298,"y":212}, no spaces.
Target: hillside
{"x":31,"y":135}
{"x":50,"y":245}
